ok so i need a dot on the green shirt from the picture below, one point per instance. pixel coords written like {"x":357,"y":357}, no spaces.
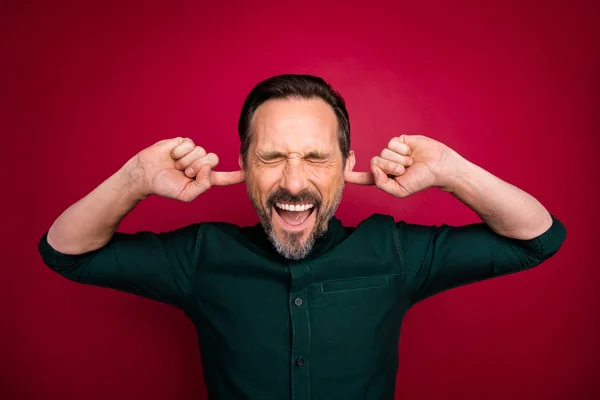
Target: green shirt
{"x":325,"y":327}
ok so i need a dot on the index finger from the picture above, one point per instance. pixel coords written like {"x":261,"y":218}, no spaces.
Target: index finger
{"x":359,"y":178}
{"x":218,"y":178}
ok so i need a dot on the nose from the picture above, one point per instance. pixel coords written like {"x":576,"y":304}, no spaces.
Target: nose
{"x":294,"y":178}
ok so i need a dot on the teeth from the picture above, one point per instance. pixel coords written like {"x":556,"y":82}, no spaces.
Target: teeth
{"x":294,"y":207}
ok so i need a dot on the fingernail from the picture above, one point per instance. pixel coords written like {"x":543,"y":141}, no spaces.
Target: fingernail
{"x":399,"y":170}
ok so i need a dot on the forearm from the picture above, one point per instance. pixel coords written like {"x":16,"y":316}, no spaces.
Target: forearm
{"x":506,"y":209}
{"x":91,"y":222}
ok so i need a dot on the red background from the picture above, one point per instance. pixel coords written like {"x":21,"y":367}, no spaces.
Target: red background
{"x":511,"y":86}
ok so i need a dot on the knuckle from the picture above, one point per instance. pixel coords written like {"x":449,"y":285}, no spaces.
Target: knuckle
{"x":197,"y":164}
{"x":213,"y":157}
{"x":184,"y":147}
{"x":187,"y":144}
{"x":199,"y":151}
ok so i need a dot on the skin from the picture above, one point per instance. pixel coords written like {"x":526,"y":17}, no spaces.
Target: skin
{"x":294,"y":157}
{"x":412,"y":163}
{"x":282,"y":162}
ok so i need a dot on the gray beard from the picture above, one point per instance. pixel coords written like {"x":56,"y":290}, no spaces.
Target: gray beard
{"x":291,"y":247}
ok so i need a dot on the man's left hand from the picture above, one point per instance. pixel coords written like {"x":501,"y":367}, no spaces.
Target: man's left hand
{"x":409,"y":164}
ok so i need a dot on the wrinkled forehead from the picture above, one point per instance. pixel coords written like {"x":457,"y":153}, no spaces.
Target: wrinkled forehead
{"x":294,"y":125}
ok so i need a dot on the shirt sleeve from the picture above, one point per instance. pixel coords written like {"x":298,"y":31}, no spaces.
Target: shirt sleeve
{"x":158,"y":266}
{"x":438,"y":258}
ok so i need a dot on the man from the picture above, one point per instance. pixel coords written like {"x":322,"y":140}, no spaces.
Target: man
{"x":299,"y":306}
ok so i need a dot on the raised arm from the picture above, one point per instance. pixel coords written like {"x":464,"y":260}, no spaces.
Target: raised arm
{"x":517,"y":233}
{"x":83,"y":244}
{"x":173,"y":168}
{"x":410,"y":164}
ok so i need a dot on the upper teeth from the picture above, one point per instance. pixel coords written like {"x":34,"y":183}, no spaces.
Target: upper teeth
{"x":293,"y":207}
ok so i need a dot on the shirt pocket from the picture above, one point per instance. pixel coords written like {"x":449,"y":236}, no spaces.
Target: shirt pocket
{"x":362,"y":283}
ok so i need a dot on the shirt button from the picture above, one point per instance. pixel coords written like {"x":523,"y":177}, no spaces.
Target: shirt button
{"x":298,"y":301}
{"x":299,"y":361}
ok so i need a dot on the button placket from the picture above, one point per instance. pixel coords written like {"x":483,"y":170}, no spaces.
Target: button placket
{"x":300,"y":350}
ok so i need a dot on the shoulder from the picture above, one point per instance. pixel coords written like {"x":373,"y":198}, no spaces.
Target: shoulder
{"x":402,"y":230}
{"x":221,"y":234}
{"x":213,"y":230}
{"x":375,"y":220}
{"x":194,"y":235}
{"x":372,"y":225}
{"x":378,"y":221}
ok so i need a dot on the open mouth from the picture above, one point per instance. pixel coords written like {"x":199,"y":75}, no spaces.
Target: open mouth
{"x":294,"y":216}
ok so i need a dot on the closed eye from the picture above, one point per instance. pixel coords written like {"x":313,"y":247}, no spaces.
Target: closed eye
{"x":316,"y":160}
{"x":273,"y":157}
{"x":316,"y":157}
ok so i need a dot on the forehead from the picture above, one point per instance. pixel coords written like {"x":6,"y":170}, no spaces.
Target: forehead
{"x":295,"y":125}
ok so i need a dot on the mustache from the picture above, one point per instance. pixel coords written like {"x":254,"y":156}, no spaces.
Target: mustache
{"x":283,"y":196}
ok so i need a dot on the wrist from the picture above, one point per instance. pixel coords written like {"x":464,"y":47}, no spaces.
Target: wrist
{"x":454,"y":174}
{"x":132,"y":179}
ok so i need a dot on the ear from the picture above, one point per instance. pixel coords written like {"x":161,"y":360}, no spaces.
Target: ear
{"x":241,"y":161}
{"x":350,"y":161}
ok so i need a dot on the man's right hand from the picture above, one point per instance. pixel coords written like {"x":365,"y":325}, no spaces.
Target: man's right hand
{"x":177,"y":169}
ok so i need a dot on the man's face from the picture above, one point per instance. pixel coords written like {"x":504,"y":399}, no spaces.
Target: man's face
{"x":294,"y":173}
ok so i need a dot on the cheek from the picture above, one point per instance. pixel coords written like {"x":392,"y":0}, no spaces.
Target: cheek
{"x":263,"y":181}
{"x":327,"y":181}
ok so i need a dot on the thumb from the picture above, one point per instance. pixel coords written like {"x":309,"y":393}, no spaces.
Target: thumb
{"x":218,"y":178}
{"x":359,"y":178}
{"x":203,"y":176}
{"x":198,"y":186}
